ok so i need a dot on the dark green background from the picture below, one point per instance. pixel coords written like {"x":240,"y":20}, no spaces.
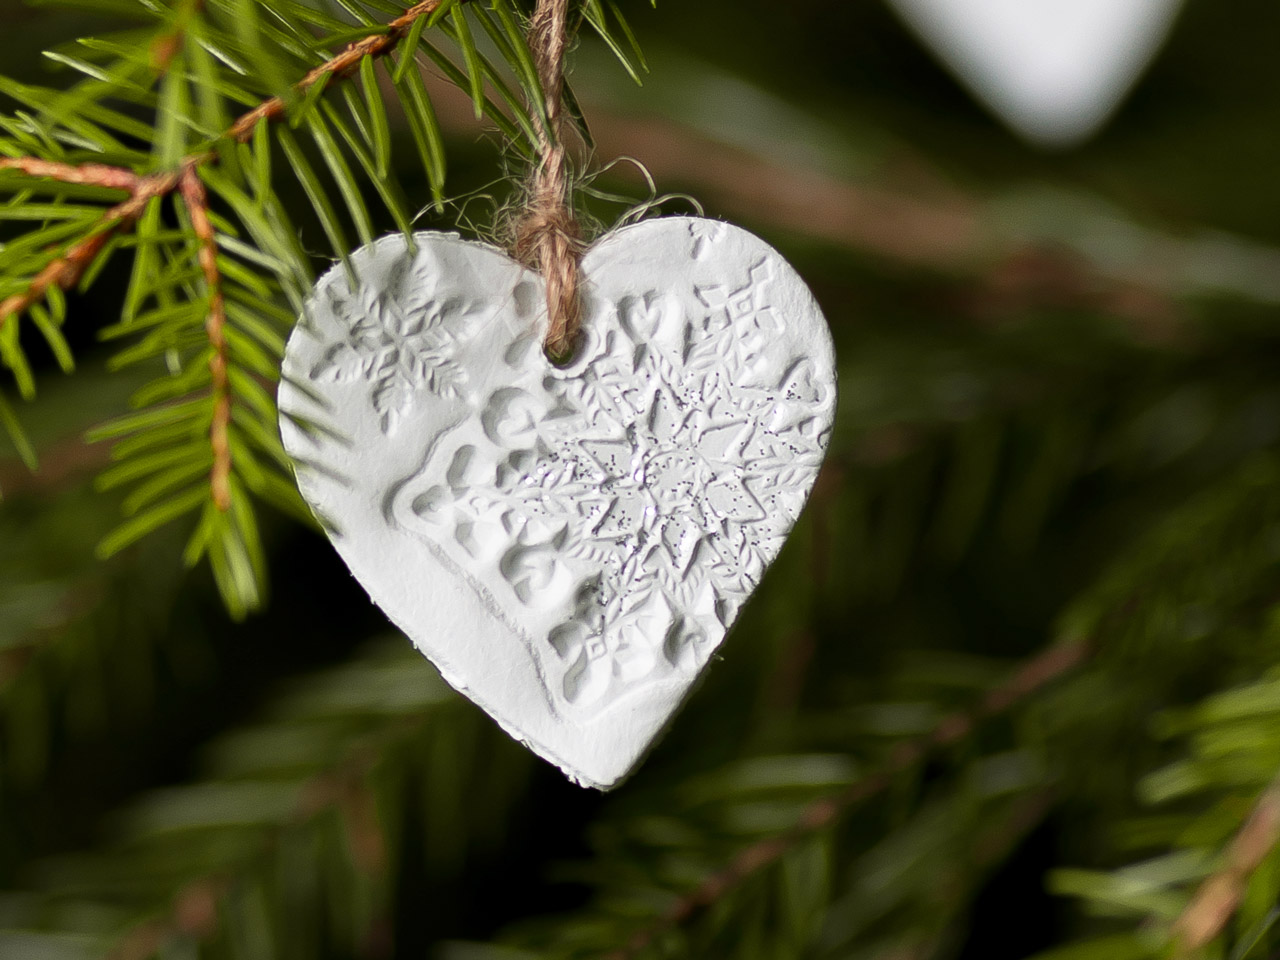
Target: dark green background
{"x":1110,"y":392}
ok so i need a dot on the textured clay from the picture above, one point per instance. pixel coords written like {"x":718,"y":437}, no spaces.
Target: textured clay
{"x":568,"y":545}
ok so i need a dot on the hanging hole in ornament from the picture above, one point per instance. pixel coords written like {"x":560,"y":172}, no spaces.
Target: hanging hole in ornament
{"x":584,"y":344}
{"x":566,"y":358}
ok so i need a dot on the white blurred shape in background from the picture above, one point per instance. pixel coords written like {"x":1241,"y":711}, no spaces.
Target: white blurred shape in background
{"x":1054,"y":70}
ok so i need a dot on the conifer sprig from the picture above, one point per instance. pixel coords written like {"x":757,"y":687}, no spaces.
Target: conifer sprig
{"x":1221,"y":894}
{"x":822,"y":813}
{"x":304,"y":807}
{"x":188,"y":118}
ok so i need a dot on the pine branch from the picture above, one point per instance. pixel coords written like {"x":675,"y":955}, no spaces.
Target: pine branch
{"x":309,"y":799}
{"x":1029,"y":679}
{"x":340,"y":67}
{"x":1127,"y":619}
{"x":193,"y":193}
{"x":236,"y":297}
{"x":1218,"y":898}
{"x":237,"y":568}
{"x":201,"y":156}
{"x":1214,"y":555}
{"x":65,"y":271}
{"x":90,"y":174}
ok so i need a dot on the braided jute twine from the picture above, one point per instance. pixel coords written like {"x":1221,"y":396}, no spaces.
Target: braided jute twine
{"x":547,"y":237}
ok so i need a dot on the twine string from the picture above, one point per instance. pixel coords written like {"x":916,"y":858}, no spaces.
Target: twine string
{"x":547,"y":237}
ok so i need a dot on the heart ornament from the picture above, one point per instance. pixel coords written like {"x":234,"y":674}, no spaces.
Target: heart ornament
{"x":1053,"y":69}
{"x":568,"y":545}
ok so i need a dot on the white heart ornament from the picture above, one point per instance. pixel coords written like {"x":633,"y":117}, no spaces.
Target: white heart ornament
{"x":1053,"y":69}
{"x":567,"y":545}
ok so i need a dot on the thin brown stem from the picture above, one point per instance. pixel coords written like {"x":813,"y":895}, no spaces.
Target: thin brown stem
{"x":336,"y":68}
{"x":197,"y":203}
{"x":66,"y":270}
{"x":88,"y":174}
{"x":1218,"y":898}
{"x":1031,"y":677}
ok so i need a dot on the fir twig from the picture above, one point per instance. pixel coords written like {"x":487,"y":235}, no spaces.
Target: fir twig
{"x":89,"y":174}
{"x":1034,"y":675}
{"x":1218,"y":898}
{"x":65,"y":271}
{"x":196,"y":200}
{"x":227,"y":532}
{"x":336,"y":68}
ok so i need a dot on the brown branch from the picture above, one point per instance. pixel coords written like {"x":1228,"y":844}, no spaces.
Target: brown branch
{"x":197,"y":203}
{"x":1219,"y":896}
{"x":1034,"y":675}
{"x":336,"y":68}
{"x":194,"y":914}
{"x":66,"y":270}
{"x":88,"y":174}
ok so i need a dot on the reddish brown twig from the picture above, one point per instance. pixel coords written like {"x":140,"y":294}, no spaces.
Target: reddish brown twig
{"x":1034,"y":675}
{"x":336,"y":68}
{"x":1219,"y":897}
{"x":197,"y":203}
{"x":88,"y":174}
{"x":66,"y":270}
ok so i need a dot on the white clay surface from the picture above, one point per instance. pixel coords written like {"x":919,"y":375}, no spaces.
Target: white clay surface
{"x":1053,"y":69}
{"x":568,"y":546}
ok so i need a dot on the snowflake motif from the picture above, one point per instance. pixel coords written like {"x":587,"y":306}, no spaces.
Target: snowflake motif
{"x":741,"y":321}
{"x":650,"y":469}
{"x":399,"y":341}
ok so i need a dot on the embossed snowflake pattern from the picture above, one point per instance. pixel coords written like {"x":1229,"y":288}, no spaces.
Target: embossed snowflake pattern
{"x":651,"y":469}
{"x":399,"y":340}
{"x":739,"y":324}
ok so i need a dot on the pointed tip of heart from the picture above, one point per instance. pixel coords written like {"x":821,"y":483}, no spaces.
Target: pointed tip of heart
{"x":1053,"y":108}
{"x":1054,"y":70}
{"x":591,"y":768}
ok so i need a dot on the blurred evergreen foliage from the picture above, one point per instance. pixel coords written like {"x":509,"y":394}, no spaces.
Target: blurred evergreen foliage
{"x":1009,"y":691}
